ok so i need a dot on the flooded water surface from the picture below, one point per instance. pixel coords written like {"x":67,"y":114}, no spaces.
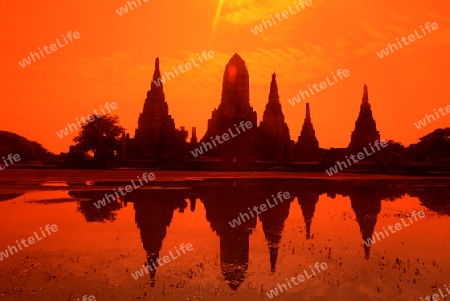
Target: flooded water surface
{"x":225,"y":236}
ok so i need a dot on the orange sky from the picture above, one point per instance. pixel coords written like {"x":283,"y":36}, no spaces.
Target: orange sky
{"x":114,"y":57}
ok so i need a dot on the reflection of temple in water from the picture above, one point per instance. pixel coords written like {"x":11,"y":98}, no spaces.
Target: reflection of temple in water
{"x":365,"y":199}
{"x":307,"y":201}
{"x":225,"y":199}
{"x":307,"y":196}
{"x":153,"y":215}
{"x":366,"y":204}
{"x":222,"y":206}
{"x":274,"y":218}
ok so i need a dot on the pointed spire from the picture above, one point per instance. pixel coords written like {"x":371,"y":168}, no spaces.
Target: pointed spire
{"x":274,"y":134}
{"x":365,"y":126}
{"x":308,"y":229}
{"x":307,"y":141}
{"x":365,"y":98}
{"x":236,"y":57}
{"x":193,"y":202}
{"x":307,"y":202}
{"x":308,"y":114}
{"x":194,"y":135}
{"x":273,"y":95}
{"x":156,"y":81}
{"x":273,"y":254}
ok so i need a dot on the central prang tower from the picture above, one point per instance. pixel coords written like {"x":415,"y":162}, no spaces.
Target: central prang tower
{"x":233,"y":108}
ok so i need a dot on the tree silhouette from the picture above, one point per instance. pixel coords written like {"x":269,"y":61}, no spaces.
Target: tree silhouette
{"x":102,"y":137}
{"x":11,"y":143}
{"x":434,"y":147}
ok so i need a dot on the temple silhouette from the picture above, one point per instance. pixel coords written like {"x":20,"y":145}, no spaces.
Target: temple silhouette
{"x":157,"y":138}
{"x":365,"y":126}
{"x":233,"y":109}
{"x":274,"y":132}
{"x":156,"y":135}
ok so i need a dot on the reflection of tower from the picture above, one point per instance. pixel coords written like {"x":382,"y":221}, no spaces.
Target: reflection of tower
{"x":366,"y":203}
{"x":152,"y":219}
{"x":234,"y":251}
{"x":221,"y":208}
{"x":193,"y":202}
{"x":273,"y":224}
{"x":307,"y":202}
{"x":365,"y":126}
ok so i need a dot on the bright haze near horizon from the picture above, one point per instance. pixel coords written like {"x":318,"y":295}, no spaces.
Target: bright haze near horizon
{"x":113,"y":60}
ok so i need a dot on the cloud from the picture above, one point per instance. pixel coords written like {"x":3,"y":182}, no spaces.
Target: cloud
{"x":399,"y":17}
{"x":371,"y":39}
{"x":297,"y":64}
{"x":244,"y":12}
{"x":442,"y":20}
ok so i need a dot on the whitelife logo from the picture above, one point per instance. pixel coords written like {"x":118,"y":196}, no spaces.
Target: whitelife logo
{"x":285,"y":14}
{"x":397,"y":226}
{"x":199,"y":150}
{"x":245,"y":217}
{"x":423,"y":123}
{"x":411,"y":38}
{"x":10,"y":158}
{"x":109,"y":197}
{"x":166,"y":259}
{"x":84,"y":120}
{"x":323,"y":85}
{"x":124,"y":9}
{"x":360,"y":156}
{"x":30,"y":240}
{"x":437,"y":297}
{"x":27,"y":61}
{"x":188,"y":66}
{"x":282,"y":287}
